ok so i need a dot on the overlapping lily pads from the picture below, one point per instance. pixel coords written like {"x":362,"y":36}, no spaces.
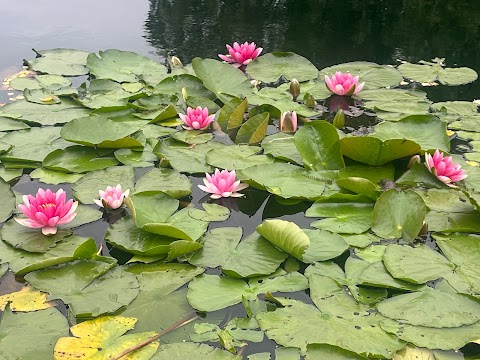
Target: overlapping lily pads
{"x":364,"y":281}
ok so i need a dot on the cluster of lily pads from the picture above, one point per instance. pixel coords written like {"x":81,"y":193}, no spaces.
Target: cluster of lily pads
{"x":387,"y":269}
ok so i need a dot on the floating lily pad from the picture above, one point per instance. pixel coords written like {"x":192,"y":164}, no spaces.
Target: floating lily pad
{"x":30,"y":335}
{"x":37,"y":114}
{"x":22,"y":262}
{"x":166,"y":181}
{"x":237,"y":157}
{"x":212,"y":292}
{"x":416,"y":265}
{"x":77,"y":159}
{"x":398,"y":214}
{"x":92,"y":290}
{"x":222,"y":79}
{"x":318,"y":144}
{"x":174,"y":85}
{"x":32,"y":145}
{"x":297,"y":324}
{"x":431,"y":308}
{"x":104,"y":337}
{"x":426,"y":130}
{"x":125,"y":66}
{"x":428,"y":73}
{"x":270,"y":67}
{"x":184,"y":158}
{"x":373,"y":151}
{"x":282,"y":146}
{"x":101,"y":132}
{"x":254,"y":256}
{"x":285,"y":180}
{"x":66,"y":62}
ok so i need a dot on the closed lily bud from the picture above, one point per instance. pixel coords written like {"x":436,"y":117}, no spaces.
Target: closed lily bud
{"x":176,"y":62}
{"x":413,"y":160}
{"x":339,"y":119}
{"x":294,"y":88}
{"x":288,"y":122}
{"x":184,"y":94}
{"x":309,"y":100}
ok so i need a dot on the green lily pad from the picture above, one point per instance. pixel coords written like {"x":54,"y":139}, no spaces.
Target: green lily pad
{"x":212,"y":292}
{"x":398,"y":214}
{"x":54,"y":177}
{"x":87,"y":187}
{"x":297,"y":324}
{"x":325,"y":351}
{"x":305,"y":245}
{"x":237,"y":157}
{"x":270,"y":67}
{"x":32,"y":145}
{"x":192,"y":136}
{"x":254,"y":256}
{"x":66,"y":62}
{"x":174,"y":84}
{"x":101,"y":132}
{"x":416,"y":265}
{"x":184,"y":158}
{"x":167,"y":181}
{"x":8,"y":200}
{"x":92,"y":290}
{"x":282,"y":146}
{"x":37,"y":114}
{"x":285,"y":180}
{"x":373,"y":151}
{"x":125,"y":66}
{"x":428,"y":131}
{"x":222,"y":79}
{"x":448,"y":76}
{"x":462,"y":250}
{"x":77,"y":159}
{"x":151,"y":208}
{"x":318,"y":144}
{"x":376,"y":275}
{"x":126,"y":236}
{"x":211,"y":212}
{"x":433,"y":338}
{"x":431,"y":308}
{"x":22,"y":262}
{"x":31,"y":335}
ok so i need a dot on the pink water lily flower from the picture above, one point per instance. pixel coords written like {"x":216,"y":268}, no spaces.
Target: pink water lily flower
{"x":288,"y":121}
{"x":443,"y":168}
{"x":112,"y":197}
{"x":222,"y":184}
{"x":197,"y":119}
{"x":47,"y":210}
{"x":343,"y":84}
{"x":239,"y":55}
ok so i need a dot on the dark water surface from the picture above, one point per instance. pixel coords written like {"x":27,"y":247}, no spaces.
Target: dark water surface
{"x":326,"y":32}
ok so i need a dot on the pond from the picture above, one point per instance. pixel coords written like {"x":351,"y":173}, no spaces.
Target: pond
{"x":348,"y":243}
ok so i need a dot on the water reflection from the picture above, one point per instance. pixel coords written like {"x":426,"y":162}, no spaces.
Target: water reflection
{"x":326,"y":32}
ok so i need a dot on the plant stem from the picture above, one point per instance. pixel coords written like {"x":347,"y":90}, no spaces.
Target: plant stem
{"x":175,"y":326}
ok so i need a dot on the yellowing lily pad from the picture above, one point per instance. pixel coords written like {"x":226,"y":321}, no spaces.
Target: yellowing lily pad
{"x":27,"y":299}
{"x":102,"y":338}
